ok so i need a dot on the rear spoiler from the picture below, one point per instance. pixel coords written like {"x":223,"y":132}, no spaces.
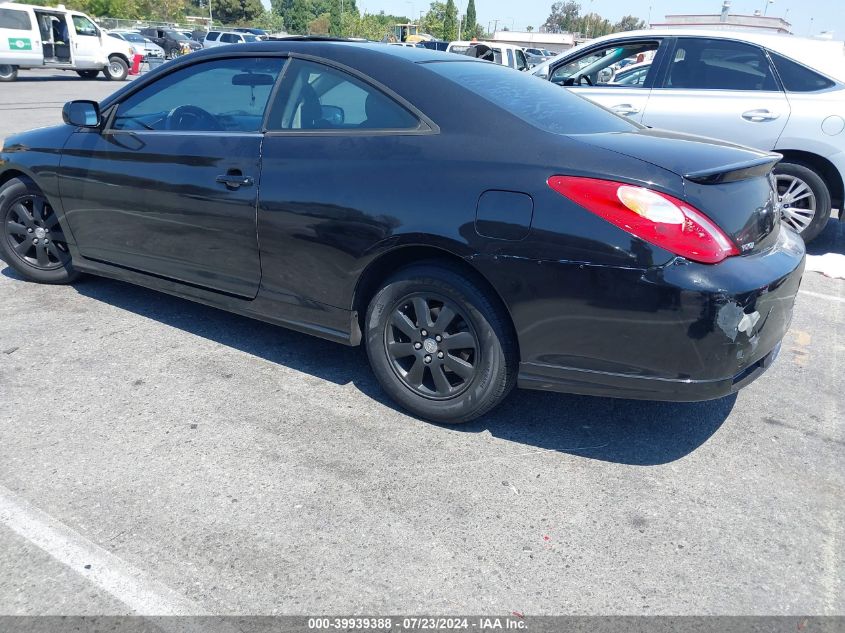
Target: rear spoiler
{"x":735,"y":171}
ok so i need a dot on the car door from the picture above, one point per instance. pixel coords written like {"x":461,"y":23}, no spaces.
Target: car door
{"x":721,"y":88}
{"x":344,"y":156}
{"x":86,"y":44}
{"x":169,"y":187}
{"x":591,"y":73}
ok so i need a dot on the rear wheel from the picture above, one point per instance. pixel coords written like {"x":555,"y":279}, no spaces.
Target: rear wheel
{"x":88,"y":74}
{"x":8,"y":73}
{"x":804,"y":199}
{"x":439,"y":345}
{"x":117,"y":69}
{"x":31,"y":240}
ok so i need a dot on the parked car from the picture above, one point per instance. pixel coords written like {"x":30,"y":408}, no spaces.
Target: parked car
{"x":34,"y":37}
{"x":573,"y":250}
{"x":261,"y":34}
{"x":175,"y":43}
{"x":221,"y":38}
{"x":140,"y":44}
{"x":631,"y":74}
{"x":772,"y":92}
{"x":504,"y":54}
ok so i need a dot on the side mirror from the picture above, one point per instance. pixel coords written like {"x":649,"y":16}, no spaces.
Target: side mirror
{"x":81,"y":113}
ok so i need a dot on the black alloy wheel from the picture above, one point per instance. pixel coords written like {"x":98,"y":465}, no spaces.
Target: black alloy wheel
{"x":432,"y":347}
{"x":440,"y":342}
{"x":32,"y":240}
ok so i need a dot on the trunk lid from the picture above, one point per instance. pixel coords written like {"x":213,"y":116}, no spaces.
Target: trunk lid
{"x":730,"y":184}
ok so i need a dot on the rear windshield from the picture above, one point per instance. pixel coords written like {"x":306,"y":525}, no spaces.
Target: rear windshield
{"x":535,"y":101}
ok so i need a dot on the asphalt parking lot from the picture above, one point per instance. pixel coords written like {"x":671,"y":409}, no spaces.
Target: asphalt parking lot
{"x":159,"y":456}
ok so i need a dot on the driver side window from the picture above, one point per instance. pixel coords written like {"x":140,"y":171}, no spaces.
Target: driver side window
{"x":607,"y":66}
{"x":228,"y":95}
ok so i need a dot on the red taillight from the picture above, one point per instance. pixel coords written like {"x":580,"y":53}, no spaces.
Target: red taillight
{"x":657,"y":218}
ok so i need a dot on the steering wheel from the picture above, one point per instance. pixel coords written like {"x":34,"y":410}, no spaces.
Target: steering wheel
{"x":190,"y":117}
{"x":585,"y":78}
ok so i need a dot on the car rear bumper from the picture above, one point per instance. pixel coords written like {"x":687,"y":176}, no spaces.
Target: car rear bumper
{"x":681,"y":332}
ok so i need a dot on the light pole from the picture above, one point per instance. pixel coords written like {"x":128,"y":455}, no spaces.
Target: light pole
{"x":766,"y":6}
{"x":210,"y":17}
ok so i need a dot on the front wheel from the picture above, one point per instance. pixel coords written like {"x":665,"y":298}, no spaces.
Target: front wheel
{"x":87,"y":74}
{"x":439,"y":344}
{"x":31,"y":239}
{"x":173,"y":53}
{"x":804,"y":199}
{"x":117,"y":70}
{"x":8,"y":73}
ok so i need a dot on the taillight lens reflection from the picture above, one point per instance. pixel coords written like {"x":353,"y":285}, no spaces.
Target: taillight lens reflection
{"x":655,"y":217}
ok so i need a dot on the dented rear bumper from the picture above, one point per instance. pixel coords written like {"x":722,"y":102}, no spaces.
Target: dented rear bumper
{"x":683,"y":331}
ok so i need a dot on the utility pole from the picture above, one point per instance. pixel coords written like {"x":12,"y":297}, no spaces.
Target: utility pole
{"x":495,"y":25}
{"x":210,"y":17}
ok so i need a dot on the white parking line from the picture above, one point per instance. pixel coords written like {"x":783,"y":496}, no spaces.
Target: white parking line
{"x":819,"y":295}
{"x":102,"y":568}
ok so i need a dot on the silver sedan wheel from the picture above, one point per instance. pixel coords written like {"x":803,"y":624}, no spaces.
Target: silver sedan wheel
{"x":797,"y":202}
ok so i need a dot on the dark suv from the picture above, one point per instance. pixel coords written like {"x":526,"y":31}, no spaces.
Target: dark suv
{"x":173,"y":42}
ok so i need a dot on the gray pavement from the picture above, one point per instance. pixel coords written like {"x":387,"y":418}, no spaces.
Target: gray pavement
{"x":227,"y":466}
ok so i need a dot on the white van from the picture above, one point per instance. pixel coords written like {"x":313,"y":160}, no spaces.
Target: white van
{"x":45,"y":37}
{"x":504,"y":54}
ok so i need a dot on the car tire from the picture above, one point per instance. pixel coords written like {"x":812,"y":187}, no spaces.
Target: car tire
{"x":8,"y":72}
{"x":31,"y":239}
{"x":88,"y":74}
{"x":408,"y":344}
{"x":804,"y":199}
{"x":173,"y":53}
{"x":117,"y":70}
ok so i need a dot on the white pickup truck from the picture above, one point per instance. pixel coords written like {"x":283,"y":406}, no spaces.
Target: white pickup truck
{"x":55,"y":38}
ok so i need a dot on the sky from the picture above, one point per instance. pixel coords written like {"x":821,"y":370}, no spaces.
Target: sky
{"x":827,"y":15}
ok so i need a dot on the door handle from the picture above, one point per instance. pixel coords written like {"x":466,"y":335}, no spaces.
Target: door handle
{"x":758,"y":116}
{"x":625,"y":109}
{"x":235,"y":180}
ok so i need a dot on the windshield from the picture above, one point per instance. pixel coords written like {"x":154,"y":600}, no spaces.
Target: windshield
{"x":249,"y":37}
{"x":176,"y":35}
{"x":540,"y":103}
{"x":133,"y":37}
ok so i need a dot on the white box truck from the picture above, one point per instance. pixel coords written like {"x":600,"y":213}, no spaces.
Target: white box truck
{"x":55,"y":38}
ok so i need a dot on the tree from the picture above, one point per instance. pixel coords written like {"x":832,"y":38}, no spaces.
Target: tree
{"x":529,"y":28}
{"x":629,"y":23}
{"x":298,"y":14}
{"x":564,"y":17}
{"x":320,"y":25}
{"x":232,"y":11}
{"x":270,"y":21}
{"x":450,"y":22}
{"x":470,"y":22}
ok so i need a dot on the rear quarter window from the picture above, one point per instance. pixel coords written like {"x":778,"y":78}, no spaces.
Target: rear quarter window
{"x":538,"y":102}
{"x":15,"y":20}
{"x":797,"y":77}
{"x":212,"y":36}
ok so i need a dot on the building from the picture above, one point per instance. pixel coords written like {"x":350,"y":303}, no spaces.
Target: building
{"x":727,"y":21}
{"x":555,"y":42}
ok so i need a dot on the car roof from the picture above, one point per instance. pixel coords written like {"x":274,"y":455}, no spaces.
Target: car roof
{"x":825,"y":56}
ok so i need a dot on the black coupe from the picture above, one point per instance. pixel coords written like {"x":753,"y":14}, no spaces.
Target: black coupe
{"x":473,"y":226}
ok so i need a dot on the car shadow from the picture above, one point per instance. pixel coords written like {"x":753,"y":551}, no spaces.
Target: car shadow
{"x":830,"y":240}
{"x":623,"y":431}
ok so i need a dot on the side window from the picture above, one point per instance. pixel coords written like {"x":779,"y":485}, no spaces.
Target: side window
{"x":798,"y":78}
{"x":600,"y":66}
{"x":324,"y":98}
{"x":226,"y":38}
{"x":710,"y":64}
{"x":228,"y":95}
{"x":510,"y":59}
{"x":521,"y":62}
{"x":15,"y":20}
{"x":84,"y":26}
{"x":212,"y":36}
